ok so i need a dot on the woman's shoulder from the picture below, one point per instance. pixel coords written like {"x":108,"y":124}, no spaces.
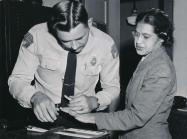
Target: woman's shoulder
{"x":162,"y":65}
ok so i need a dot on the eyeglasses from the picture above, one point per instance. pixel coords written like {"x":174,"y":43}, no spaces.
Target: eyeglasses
{"x":145,"y":36}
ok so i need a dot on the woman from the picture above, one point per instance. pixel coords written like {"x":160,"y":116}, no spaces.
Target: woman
{"x":150,"y":92}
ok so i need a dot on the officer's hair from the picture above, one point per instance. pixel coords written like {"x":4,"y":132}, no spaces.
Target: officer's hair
{"x":66,"y":15}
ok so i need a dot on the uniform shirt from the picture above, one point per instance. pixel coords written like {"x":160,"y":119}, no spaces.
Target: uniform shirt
{"x":42,"y":59}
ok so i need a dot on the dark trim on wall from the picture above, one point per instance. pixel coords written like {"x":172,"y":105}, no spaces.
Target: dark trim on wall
{"x":161,"y":4}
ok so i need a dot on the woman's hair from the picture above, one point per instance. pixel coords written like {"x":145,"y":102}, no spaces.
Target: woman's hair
{"x":66,"y":15}
{"x":160,"y":22}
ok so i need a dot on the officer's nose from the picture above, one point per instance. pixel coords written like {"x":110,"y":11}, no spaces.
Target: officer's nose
{"x":74,"y":45}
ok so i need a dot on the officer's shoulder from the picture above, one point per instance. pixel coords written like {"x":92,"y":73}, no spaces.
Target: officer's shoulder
{"x":29,"y":37}
{"x":101,"y":36}
{"x":38,"y":28}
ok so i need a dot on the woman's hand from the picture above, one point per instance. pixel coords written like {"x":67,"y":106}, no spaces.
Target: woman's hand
{"x":84,"y":118}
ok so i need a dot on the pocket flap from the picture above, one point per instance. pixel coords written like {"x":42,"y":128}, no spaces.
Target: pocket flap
{"x":49,"y":63}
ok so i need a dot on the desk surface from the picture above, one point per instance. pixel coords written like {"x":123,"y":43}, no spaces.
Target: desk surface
{"x":24,"y":134}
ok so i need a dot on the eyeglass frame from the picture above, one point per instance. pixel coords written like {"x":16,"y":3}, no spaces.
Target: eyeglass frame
{"x":136,"y":35}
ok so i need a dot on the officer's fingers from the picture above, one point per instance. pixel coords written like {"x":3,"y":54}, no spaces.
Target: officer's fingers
{"x":76,"y":96}
{"x":42,"y":111}
{"x":82,"y":111}
{"x":78,"y":99}
{"x":46,"y":115}
{"x":75,"y":100}
{"x":73,"y":113}
{"x":39,"y":114}
{"x":68,"y":110}
{"x":75,"y":103}
{"x":49,"y":111}
{"x":78,"y":104}
{"x":80,"y":108}
{"x":76,"y":107}
{"x":52,"y":113}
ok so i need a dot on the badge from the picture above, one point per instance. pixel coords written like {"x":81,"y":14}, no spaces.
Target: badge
{"x":114,"y":51}
{"x":27,"y":40}
{"x":93,"y":61}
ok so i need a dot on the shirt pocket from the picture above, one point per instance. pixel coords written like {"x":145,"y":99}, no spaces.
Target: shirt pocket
{"x":90,"y":70}
{"x":49,"y":63}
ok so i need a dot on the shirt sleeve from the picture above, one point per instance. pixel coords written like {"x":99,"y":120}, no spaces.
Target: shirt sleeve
{"x":149,"y":98}
{"x":23,"y":73}
{"x":109,"y":78}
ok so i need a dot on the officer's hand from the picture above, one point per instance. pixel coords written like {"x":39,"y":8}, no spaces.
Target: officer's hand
{"x":83,"y":104}
{"x":43,"y":107}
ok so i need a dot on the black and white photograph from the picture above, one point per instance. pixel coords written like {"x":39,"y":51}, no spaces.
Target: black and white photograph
{"x":93,"y":69}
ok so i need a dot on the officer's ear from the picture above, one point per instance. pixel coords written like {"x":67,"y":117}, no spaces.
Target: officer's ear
{"x":90,"y":22}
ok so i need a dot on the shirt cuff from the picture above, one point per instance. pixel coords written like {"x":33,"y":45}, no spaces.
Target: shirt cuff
{"x":25,"y":97}
{"x":103,"y":101}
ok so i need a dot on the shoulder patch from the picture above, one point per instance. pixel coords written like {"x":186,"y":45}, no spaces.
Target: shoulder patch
{"x":27,"y":40}
{"x":114,"y":51}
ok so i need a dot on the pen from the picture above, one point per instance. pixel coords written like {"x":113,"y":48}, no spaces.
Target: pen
{"x":59,"y":105}
{"x":68,"y":98}
{"x":35,"y":129}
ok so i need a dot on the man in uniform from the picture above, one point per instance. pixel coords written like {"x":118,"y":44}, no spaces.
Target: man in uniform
{"x":43,"y":59}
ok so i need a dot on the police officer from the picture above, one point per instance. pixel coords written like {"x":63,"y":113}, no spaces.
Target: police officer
{"x":43,"y":58}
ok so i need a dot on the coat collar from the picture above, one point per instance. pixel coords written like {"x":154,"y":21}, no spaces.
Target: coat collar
{"x":154,"y":54}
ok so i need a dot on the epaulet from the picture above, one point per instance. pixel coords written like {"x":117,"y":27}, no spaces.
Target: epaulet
{"x":28,"y":37}
{"x":27,"y":40}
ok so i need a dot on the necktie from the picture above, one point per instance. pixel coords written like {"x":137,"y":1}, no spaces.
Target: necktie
{"x":69,"y":78}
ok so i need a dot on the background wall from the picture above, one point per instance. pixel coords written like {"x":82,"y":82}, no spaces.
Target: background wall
{"x":126,"y":10}
{"x":114,"y":20}
{"x":180,"y":48}
{"x":50,"y":3}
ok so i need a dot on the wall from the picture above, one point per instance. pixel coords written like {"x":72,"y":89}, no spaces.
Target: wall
{"x":180,"y":49}
{"x":114,"y":20}
{"x":126,"y":9}
{"x":50,"y":3}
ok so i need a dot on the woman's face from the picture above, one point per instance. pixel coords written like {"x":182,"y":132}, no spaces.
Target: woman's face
{"x":145,"y":39}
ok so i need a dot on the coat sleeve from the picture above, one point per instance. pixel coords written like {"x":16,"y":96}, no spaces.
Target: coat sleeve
{"x":149,"y":98}
{"x":23,"y":73}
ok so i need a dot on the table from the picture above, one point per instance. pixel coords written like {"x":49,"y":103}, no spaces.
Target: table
{"x":24,"y":134}
{"x":17,"y":130}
